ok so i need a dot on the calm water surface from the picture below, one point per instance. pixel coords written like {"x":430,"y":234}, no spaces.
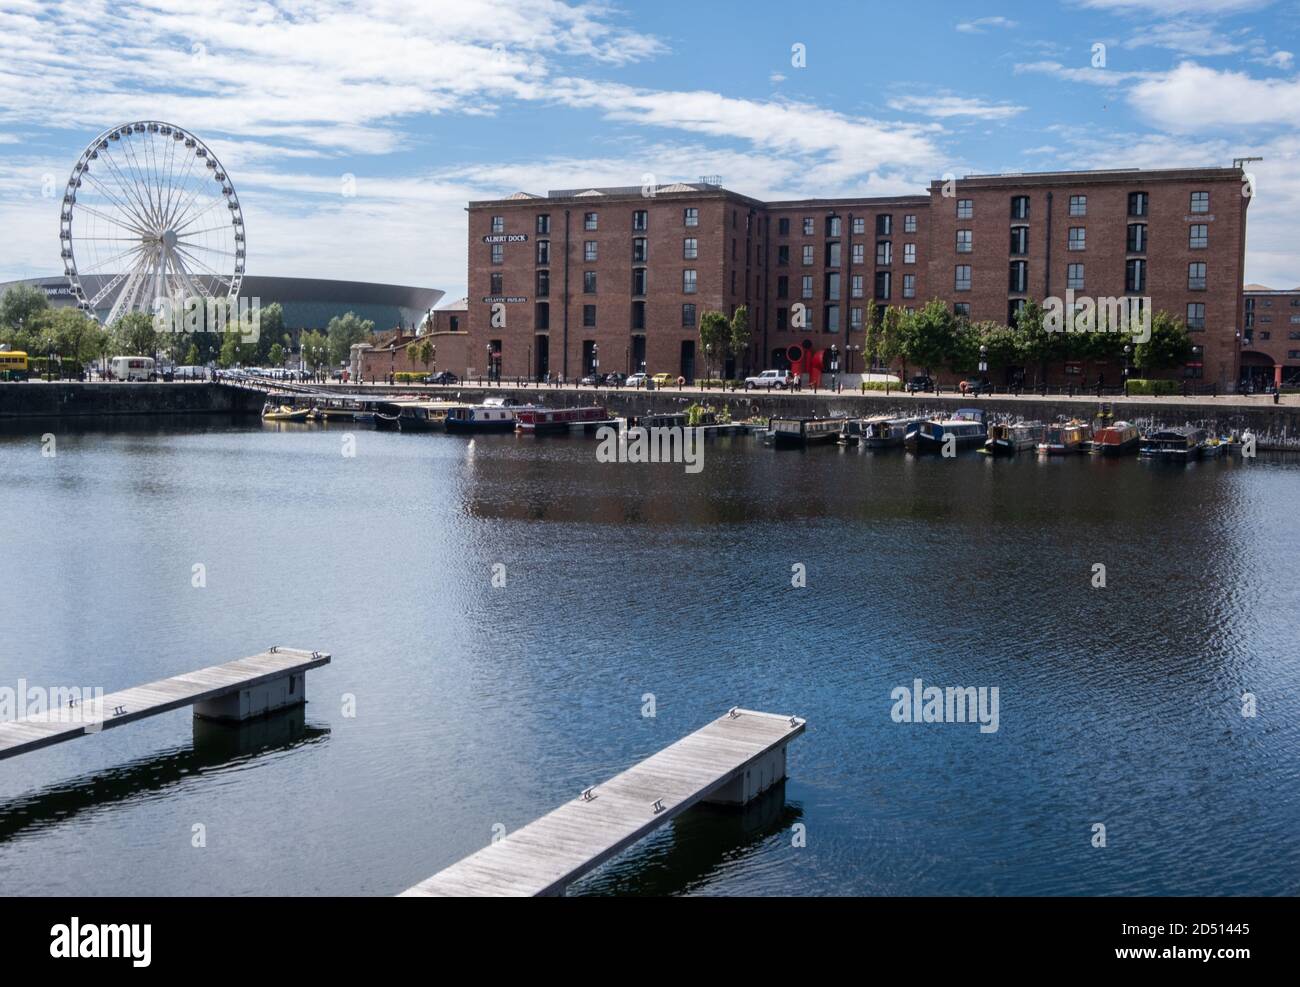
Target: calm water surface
{"x":478,"y":705}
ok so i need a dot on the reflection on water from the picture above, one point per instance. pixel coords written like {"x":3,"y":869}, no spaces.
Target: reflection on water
{"x":478,"y":705}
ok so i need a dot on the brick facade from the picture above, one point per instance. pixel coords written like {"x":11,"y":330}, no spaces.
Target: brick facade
{"x":616,"y":293}
{"x":1270,"y":336}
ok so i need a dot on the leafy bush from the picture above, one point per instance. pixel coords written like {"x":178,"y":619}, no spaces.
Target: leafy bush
{"x":880,"y":385}
{"x":1150,"y":388}
{"x":406,"y":377}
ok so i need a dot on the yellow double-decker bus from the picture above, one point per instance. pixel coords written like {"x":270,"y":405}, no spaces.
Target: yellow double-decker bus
{"x":13,"y":365}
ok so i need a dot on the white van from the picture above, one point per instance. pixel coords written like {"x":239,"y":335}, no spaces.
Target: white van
{"x":131,"y":367}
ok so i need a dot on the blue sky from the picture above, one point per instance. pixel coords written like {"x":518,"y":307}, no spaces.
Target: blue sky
{"x":354,"y":140}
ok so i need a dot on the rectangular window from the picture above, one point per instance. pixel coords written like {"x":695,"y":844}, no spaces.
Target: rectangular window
{"x":909,"y":223}
{"x":807,"y":286}
{"x":498,"y":224}
{"x":965,"y":241}
{"x":688,"y":282}
{"x":544,"y":223}
{"x":1018,"y":277}
{"x":809,"y":227}
{"x":833,"y":254}
{"x":909,"y":253}
{"x":1078,"y":238}
{"x":832,"y":226}
{"x":497,"y":287}
{"x":638,"y":316}
{"x":1200,"y":202}
{"x":543,"y":284}
{"x":690,"y":248}
{"x":884,"y":225}
{"x":909,"y":285}
{"x":639,"y":280}
{"x":782,"y":316}
{"x":884,"y":253}
{"x":783,"y":227}
{"x":782,"y":287}
{"x":884,"y":282}
{"x":589,"y":315}
{"x":589,"y":282}
{"x":1020,"y":207}
{"x":1019,"y":240}
{"x":1074,"y":277}
{"x":1078,"y":205}
{"x":965,"y":208}
{"x":856,"y":285}
{"x":859,"y":225}
{"x":638,"y":249}
{"x":1014,"y":307}
{"x":855,"y":318}
{"x":832,"y":287}
{"x":688,"y":314}
{"x":1135,"y":275}
{"x":1137,"y":238}
{"x":589,"y":221}
{"x":1198,"y":237}
{"x":498,"y":253}
{"x":1196,"y":276}
{"x":859,"y":253}
{"x":640,"y":220}
{"x":1195,"y":315}
{"x":831,"y":313}
{"x":690,"y":216}
{"x":782,"y":255}
{"x":543,"y":251}
{"x":1138,"y":203}
{"x":808,"y":255}
{"x":961,"y":279}
{"x":589,"y":250}
{"x":961,"y":310}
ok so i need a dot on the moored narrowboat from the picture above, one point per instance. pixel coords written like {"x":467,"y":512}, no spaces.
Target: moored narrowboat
{"x":1065,"y":439}
{"x":1116,"y":439}
{"x":493,"y":415}
{"x":1008,"y":439}
{"x":535,"y":420}
{"x":804,"y":431}
{"x":1178,"y":444}
{"x":965,"y":428}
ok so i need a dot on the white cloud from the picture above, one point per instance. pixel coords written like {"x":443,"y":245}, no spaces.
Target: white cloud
{"x":1203,"y":39}
{"x":1196,"y":99}
{"x":1164,"y":7}
{"x":1088,"y":76}
{"x":980,"y":24}
{"x":947,"y":106}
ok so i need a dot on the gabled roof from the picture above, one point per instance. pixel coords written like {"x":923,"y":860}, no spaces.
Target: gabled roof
{"x":522,"y":195}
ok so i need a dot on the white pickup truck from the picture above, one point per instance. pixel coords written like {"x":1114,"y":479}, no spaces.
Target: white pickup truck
{"x":780,"y":379}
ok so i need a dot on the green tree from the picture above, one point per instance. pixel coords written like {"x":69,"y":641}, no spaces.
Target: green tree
{"x":315,"y":349}
{"x":276,"y":355}
{"x":134,"y":334}
{"x":422,"y":352}
{"x":18,"y":307}
{"x":192,"y":355}
{"x":344,"y":331}
{"x":1169,"y":345}
{"x":928,"y":335}
{"x":270,"y":330}
{"x":714,"y":330}
{"x":739,"y":335}
{"x":1037,"y":343}
{"x":69,"y":332}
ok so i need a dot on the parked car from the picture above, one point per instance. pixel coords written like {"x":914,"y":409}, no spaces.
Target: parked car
{"x":920,"y":383}
{"x":664,"y":380}
{"x":976,"y":385}
{"x":615,"y":379}
{"x":636,"y":380}
{"x":592,"y":380}
{"x":780,"y":379}
{"x":446,"y":377}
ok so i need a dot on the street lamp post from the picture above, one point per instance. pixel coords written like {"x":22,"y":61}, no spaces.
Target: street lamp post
{"x":835,"y":367}
{"x":489,"y":362}
{"x":1127,"y":350}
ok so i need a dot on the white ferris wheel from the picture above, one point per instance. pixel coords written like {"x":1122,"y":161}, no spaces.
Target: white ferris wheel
{"x":149,"y":214}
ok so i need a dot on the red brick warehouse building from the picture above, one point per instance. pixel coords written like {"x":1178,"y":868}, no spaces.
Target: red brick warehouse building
{"x":621,"y":276}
